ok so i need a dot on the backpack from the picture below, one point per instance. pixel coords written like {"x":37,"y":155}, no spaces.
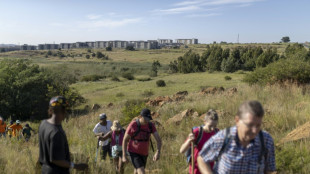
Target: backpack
{"x":139,"y":130}
{"x":188,"y":153}
{"x":263,"y":152}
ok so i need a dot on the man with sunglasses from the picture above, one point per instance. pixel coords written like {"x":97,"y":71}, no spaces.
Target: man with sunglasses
{"x":243,"y":148}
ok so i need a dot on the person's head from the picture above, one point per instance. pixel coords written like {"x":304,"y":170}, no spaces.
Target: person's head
{"x":103,"y":118}
{"x":17,"y":122}
{"x":11,"y":122}
{"x":146,"y":114}
{"x":58,"y":106}
{"x":249,"y":120}
{"x":116,"y":126}
{"x":27,"y":125}
{"x":211,"y":120}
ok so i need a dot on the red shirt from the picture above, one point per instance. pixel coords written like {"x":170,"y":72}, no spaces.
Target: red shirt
{"x":205,"y":137}
{"x":139,"y":147}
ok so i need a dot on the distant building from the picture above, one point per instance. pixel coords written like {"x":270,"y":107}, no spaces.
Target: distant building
{"x":65,"y":45}
{"x":28,"y":47}
{"x":48,"y":46}
{"x":164,"y":41}
{"x":187,"y":41}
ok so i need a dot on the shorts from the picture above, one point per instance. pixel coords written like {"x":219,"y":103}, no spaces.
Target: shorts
{"x":138,"y":160}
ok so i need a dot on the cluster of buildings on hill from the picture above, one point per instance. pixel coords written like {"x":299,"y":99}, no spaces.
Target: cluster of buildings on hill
{"x":149,"y":44}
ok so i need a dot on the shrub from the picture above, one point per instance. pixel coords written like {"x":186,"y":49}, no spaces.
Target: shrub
{"x":87,"y":56}
{"x":131,"y":109}
{"x":147,"y":93}
{"x":160,"y":83}
{"x":128,"y":76}
{"x":227,"y":78}
{"x":144,"y":79}
{"x":130,"y":48}
{"x":92,"y":78}
{"x":120,"y":94}
{"x":285,"y":70}
{"x":49,"y":53}
{"x":93,"y":54}
{"x":99,"y":55}
{"x":89,"y":50}
{"x":108,"y":48}
{"x":115,"y":78}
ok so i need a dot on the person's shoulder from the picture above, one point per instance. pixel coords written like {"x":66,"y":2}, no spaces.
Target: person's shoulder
{"x":267,"y":136}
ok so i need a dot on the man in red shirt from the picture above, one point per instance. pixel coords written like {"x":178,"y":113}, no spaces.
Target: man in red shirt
{"x":136,"y":141}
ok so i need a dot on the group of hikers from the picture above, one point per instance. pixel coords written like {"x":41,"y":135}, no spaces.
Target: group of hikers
{"x":243,"y":148}
{"x":15,"y":130}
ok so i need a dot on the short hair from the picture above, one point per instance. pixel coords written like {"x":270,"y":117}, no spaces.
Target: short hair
{"x":253,"y":107}
{"x":211,"y":115}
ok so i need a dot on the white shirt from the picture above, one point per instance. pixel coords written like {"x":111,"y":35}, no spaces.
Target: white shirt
{"x":105,"y":129}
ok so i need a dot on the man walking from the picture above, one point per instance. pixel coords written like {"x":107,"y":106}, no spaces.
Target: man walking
{"x":244,"y":148}
{"x":102,"y":128}
{"x":2,"y":127}
{"x":16,"y":129}
{"x":138,"y":134}
{"x":54,"y":155}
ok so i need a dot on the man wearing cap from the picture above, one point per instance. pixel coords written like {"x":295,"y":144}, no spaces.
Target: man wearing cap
{"x":136,"y":141}
{"x":9,"y":130}
{"x":16,"y":129}
{"x":101,"y":128}
{"x":54,"y":154}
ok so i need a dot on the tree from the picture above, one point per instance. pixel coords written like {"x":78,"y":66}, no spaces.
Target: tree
{"x":109,"y":48}
{"x":130,"y":48}
{"x":285,"y":39}
{"x":25,"y":89}
{"x":99,"y":55}
{"x":155,"y":66}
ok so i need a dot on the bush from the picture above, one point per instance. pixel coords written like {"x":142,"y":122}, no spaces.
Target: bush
{"x":115,"y":78}
{"x":144,"y":79}
{"x":285,"y":70}
{"x":108,"y":48}
{"x":93,"y":54}
{"x":131,"y":110}
{"x":128,"y":76}
{"x":99,"y":55}
{"x":120,"y":94}
{"x":89,"y":50}
{"x":227,"y":78}
{"x":87,"y":56}
{"x":130,"y":48}
{"x":25,"y":90}
{"x":49,"y":53}
{"x":147,"y":93}
{"x":160,"y":83}
{"x":92,"y":78}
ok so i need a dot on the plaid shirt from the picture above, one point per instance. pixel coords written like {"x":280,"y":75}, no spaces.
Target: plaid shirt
{"x":237,"y":159}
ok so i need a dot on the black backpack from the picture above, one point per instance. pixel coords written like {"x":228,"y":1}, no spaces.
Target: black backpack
{"x":263,"y":152}
{"x":188,"y":153}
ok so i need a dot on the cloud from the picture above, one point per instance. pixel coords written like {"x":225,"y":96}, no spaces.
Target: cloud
{"x":203,"y":15}
{"x":93,"y":16}
{"x":177,"y":10}
{"x":108,"y":23}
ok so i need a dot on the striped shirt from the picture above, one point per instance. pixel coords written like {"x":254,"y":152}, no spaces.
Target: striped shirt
{"x":238,"y":159}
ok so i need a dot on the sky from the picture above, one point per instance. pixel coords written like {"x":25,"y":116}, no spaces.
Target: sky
{"x":66,"y":21}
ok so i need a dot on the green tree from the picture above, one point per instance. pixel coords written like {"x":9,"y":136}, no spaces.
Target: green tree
{"x":155,"y":66}
{"x":109,"y":48}
{"x":285,"y":39}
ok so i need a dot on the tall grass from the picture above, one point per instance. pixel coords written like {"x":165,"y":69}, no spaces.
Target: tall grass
{"x":286,"y":108}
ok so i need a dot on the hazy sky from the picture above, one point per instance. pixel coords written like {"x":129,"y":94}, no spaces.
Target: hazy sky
{"x":43,"y":21}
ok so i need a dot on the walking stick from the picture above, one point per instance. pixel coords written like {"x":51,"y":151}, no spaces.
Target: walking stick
{"x":192,"y":156}
{"x":97,"y":150}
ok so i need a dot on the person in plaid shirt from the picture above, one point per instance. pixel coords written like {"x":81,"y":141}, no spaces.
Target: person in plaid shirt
{"x":243,"y":148}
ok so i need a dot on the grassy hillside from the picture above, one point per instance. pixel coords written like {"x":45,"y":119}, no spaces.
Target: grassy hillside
{"x":287,"y":107}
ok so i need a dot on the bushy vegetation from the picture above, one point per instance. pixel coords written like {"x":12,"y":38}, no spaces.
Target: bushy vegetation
{"x":155,"y":66}
{"x":227,"y":78}
{"x":131,"y":110}
{"x":160,"y":83}
{"x":92,"y":78}
{"x":130,"y":48}
{"x":25,"y":90}
{"x":128,"y":76}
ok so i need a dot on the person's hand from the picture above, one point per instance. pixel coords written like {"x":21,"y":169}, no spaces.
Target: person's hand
{"x":191,"y":137}
{"x":102,"y":134}
{"x":81,"y":166}
{"x":124,"y":158}
{"x":156,"y":156}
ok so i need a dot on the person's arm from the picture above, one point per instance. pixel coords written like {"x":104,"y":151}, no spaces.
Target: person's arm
{"x":185,"y":146}
{"x":106,"y":136}
{"x":203,"y":167}
{"x":158,"y":140}
{"x":124,"y":146}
